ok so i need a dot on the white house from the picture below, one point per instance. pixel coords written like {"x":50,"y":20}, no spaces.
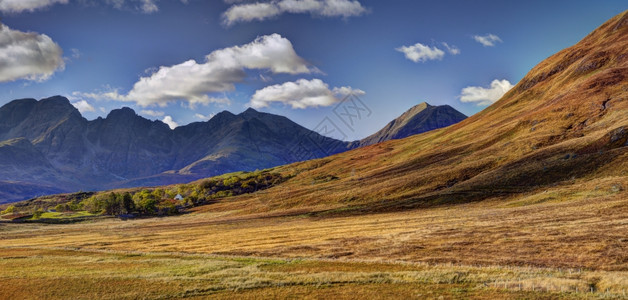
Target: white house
{"x":178,"y":197}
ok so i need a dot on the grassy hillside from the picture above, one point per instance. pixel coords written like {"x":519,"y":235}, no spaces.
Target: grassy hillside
{"x":527,"y":199}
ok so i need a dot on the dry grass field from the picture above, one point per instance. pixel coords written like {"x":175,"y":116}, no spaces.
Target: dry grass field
{"x":535,"y":246}
{"x":64,"y":274}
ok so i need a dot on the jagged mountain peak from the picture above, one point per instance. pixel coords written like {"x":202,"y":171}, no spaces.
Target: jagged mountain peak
{"x":122,"y":112}
{"x":223,"y":114}
{"x":415,"y":110}
{"x":56,"y":100}
{"x":250,"y":110}
{"x":420,"y":118}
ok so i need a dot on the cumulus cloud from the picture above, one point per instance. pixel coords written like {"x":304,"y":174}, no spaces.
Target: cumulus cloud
{"x":170,"y":122}
{"x":83,"y":106}
{"x":301,"y":94}
{"x":421,"y":53}
{"x":18,"y":6}
{"x":192,"y":82}
{"x":152,"y":113}
{"x":260,"y":11}
{"x":28,"y":55}
{"x":487,"y":40}
{"x":485,"y":96}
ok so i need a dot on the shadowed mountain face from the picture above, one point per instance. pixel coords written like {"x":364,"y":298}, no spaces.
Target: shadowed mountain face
{"x":420,"y":118}
{"x":47,"y":146}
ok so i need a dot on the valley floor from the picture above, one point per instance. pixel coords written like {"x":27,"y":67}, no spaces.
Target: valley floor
{"x":530,"y":246}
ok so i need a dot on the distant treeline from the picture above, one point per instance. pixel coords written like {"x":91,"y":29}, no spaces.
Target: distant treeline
{"x":161,"y":201}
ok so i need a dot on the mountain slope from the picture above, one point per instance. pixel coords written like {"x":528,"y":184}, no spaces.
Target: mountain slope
{"x":563,"y":127}
{"x":418,"y":119}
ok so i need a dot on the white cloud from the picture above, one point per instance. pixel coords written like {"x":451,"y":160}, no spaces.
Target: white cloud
{"x":145,"y":6}
{"x":18,"y":6}
{"x":301,"y":94}
{"x":170,"y":122}
{"x":485,"y":96}
{"x":83,"y":106}
{"x":192,"y":81}
{"x":250,"y":12}
{"x":148,"y":6}
{"x":259,"y":11}
{"x":204,"y":117}
{"x":421,"y":53}
{"x":28,"y":55}
{"x":487,"y":40}
{"x":152,"y":113}
{"x":453,"y":50}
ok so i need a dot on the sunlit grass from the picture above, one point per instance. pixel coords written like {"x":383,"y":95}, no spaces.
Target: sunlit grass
{"x":28,"y":272}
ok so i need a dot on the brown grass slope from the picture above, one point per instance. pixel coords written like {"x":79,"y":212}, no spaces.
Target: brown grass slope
{"x":548,"y":161}
{"x":567,"y":120}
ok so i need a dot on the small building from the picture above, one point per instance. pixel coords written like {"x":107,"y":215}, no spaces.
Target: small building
{"x":178,"y":197}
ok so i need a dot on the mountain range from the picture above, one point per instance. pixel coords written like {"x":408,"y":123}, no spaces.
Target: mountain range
{"x":46,"y":146}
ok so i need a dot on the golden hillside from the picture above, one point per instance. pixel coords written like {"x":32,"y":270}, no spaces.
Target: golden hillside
{"x":527,"y":199}
{"x":565,"y":122}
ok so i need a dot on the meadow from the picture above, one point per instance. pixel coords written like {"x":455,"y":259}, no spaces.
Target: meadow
{"x":531,"y":246}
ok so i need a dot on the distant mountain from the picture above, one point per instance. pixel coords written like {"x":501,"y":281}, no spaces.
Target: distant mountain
{"x":47,"y":146}
{"x":418,"y":119}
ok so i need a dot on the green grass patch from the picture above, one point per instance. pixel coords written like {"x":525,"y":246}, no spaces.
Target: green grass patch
{"x":66,"y":215}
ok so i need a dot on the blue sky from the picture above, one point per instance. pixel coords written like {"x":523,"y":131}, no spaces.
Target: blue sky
{"x":183,"y":61}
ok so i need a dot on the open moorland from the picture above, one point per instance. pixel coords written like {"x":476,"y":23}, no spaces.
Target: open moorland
{"x":526,"y":199}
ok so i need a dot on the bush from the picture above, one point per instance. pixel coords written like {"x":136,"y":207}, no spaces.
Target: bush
{"x":37,"y":214}
{"x":231,"y":181}
{"x":9,"y":210}
{"x":167,"y":208}
{"x":62,"y":207}
{"x":110,"y":204}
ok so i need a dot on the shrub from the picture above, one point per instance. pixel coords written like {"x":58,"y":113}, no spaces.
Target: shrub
{"x":9,"y":210}
{"x":37,"y":214}
{"x":61,"y":207}
{"x":231,"y":181}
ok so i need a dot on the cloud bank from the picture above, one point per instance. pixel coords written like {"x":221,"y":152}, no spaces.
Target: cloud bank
{"x":260,"y":11}
{"x":192,"y":82}
{"x":28,"y":55}
{"x":485,"y":96}
{"x":301,"y":94}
